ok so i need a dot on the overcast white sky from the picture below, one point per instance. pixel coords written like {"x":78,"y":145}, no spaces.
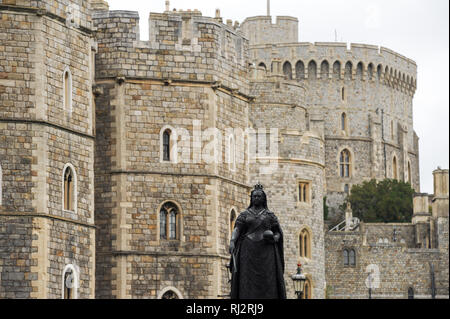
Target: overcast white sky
{"x":417,"y":29}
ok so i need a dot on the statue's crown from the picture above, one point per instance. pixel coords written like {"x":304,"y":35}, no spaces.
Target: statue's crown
{"x":259,"y":187}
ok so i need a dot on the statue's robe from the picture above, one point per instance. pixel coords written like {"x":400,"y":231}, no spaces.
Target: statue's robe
{"x":257,"y":265}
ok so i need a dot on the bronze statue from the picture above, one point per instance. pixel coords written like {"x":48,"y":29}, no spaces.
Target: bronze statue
{"x":257,"y":257}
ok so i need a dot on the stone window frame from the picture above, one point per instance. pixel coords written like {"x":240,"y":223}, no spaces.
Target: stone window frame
{"x":305,"y":230}
{"x":346,"y":258}
{"x":173,"y":145}
{"x":309,"y":286}
{"x":344,"y":123}
{"x":170,"y":289}
{"x":67,"y":90}
{"x":408,"y":171}
{"x":394,"y":168}
{"x":74,"y":198}
{"x":307,"y":196}
{"x":76,"y":281}
{"x":179,"y":223}
{"x":350,"y":162}
{"x":287,"y":70}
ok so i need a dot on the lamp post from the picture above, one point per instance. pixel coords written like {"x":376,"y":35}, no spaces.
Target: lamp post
{"x":299,"y":280}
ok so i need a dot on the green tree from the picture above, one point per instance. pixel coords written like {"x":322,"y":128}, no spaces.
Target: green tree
{"x":387,"y":201}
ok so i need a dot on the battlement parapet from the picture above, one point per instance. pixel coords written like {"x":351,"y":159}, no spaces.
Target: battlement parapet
{"x":261,"y":30}
{"x":333,"y":60}
{"x":182,"y":46}
{"x":76,"y":14}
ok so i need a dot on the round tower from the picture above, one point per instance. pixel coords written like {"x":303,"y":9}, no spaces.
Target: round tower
{"x":289,"y":162}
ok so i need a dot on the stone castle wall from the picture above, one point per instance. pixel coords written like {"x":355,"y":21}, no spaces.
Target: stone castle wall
{"x":42,"y":40}
{"x":373,"y":86}
{"x":188,"y":78}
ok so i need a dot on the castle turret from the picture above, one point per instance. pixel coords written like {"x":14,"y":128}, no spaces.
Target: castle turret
{"x":47,"y":246}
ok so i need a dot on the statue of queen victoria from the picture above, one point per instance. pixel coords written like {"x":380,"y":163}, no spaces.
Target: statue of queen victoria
{"x":257,"y":257}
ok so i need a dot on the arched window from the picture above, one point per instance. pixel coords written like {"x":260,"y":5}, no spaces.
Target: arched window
{"x":410,"y":293}
{"x":370,"y":71}
{"x":344,"y":122}
{"x":348,"y":70}
{"x":300,"y":70}
{"x":69,"y":188}
{"x":346,"y":258}
{"x":287,"y":70}
{"x":166,"y":145}
{"x":67,"y":90}
{"x":307,"y":292}
{"x":409,"y":174}
{"x":351,"y":257}
{"x":169,"y":295}
{"x":304,"y":239}
{"x":70,"y":285}
{"x":262,"y":65}
{"x":345,"y":163}
{"x":337,"y":70}
{"x":312,"y":70}
{"x":392,"y":130}
{"x":324,"y":70}
{"x":359,"y":71}
{"x":394,"y":168}
{"x":169,"y":221}
{"x":379,"y":71}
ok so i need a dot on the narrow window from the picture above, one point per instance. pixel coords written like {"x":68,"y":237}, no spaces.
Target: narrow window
{"x":169,"y":221}
{"x":346,"y":257}
{"x":343,"y":94}
{"x":304,"y":189}
{"x":68,"y":284}
{"x":348,"y":70}
{"x":305,"y":244}
{"x":345,"y":163}
{"x":300,"y":70}
{"x":352,"y":257}
{"x":392,"y":130}
{"x":324,"y":70}
{"x":394,"y":168}
{"x":337,"y":70}
{"x":68,"y":189}
{"x":307,"y":290}
{"x":67,"y":90}
{"x":287,"y":71}
{"x":370,"y":71}
{"x":166,"y":145}
{"x":312,"y":70}
{"x":409,"y":175}
{"x":344,"y":122}
{"x":359,"y":71}
{"x":410,"y":293}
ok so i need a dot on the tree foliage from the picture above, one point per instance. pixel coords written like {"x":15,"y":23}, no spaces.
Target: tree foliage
{"x":387,"y":201}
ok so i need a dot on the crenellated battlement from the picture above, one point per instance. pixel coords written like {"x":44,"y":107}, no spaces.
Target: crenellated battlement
{"x":260,"y":30}
{"x":330,"y":60}
{"x":182,"y":45}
